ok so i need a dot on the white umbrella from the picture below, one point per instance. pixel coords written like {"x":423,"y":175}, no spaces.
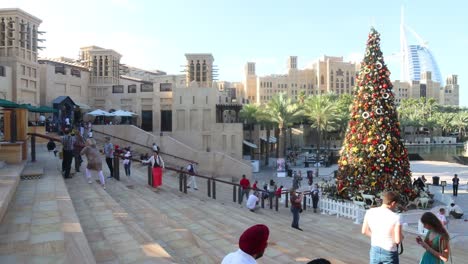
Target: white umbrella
{"x":122,"y":113}
{"x":98,"y":112}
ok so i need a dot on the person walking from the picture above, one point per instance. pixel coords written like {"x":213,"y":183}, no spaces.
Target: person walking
{"x":94,"y":161}
{"x":383,"y":226}
{"x":245,"y":186}
{"x":296,"y":208}
{"x":127,"y":161}
{"x":252,"y":245}
{"x":192,"y":181}
{"x":109,"y":152}
{"x":77,"y":147}
{"x":437,"y":240}
{"x":455,"y":181}
{"x":157,"y":164}
{"x":315,"y":194}
{"x":68,"y":142}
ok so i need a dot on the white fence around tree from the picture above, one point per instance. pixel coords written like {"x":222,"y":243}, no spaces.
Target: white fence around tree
{"x":344,"y":209}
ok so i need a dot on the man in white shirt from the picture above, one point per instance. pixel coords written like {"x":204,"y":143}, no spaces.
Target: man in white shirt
{"x":383,"y":226}
{"x":252,"y":245}
{"x":252,"y":202}
{"x":455,"y":211}
{"x":155,"y":147}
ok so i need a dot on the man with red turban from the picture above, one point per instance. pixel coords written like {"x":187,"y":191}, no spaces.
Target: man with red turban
{"x":252,"y":245}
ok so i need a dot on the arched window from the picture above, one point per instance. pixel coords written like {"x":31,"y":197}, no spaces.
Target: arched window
{"x":352,"y":81}
{"x":2,"y":71}
{"x":322,"y":80}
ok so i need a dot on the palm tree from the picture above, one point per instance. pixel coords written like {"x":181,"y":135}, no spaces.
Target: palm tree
{"x":248,"y":115}
{"x":283,"y":112}
{"x":264,"y":118}
{"x":444,"y":122}
{"x":460,"y":121}
{"x":322,"y":112}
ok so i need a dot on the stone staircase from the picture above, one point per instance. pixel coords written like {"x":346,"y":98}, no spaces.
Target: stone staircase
{"x":40,"y":224}
{"x":112,"y":232}
{"x":55,"y":221}
{"x":192,"y":227}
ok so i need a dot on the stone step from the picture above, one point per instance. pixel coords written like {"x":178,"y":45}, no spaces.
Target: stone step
{"x":40,"y":225}
{"x":9,"y":179}
{"x":32,"y":172}
{"x":113,"y":234}
{"x":327,"y":234}
{"x":216,"y":225}
{"x":183,"y":245}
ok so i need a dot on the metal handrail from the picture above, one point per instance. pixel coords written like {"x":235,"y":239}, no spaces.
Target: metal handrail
{"x":144,"y":146}
{"x":210,"y":180}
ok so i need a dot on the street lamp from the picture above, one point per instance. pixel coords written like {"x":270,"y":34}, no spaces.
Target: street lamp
{"x":443,"y":184}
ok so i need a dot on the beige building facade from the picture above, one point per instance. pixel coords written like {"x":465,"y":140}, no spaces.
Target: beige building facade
{"x":63,"y":76}
{"x":6,"y":82}
{"x":19,"y":45}
{"x":426,"y":87}
{"x":327,"y":74}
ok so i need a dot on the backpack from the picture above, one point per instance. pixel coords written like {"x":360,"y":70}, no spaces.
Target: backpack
{"x":190,"y":168}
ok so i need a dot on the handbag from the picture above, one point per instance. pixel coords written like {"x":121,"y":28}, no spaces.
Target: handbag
{"x":300,"y":210}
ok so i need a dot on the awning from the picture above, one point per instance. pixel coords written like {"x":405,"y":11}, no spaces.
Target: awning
{"x":250,"y":144}
{"x":83,"y":106}
{"x":8,"y":104}
{"x":272,"y":139}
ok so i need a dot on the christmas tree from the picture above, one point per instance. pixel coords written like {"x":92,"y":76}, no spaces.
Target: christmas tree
{"x":373,"y":157}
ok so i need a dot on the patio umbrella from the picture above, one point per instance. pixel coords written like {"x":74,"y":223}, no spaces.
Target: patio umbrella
{"x":98,"y":112}
{"x":122,"y":113}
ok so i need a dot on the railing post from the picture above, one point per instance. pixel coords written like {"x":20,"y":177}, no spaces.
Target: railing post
{"x":181,"y":175}
{"x":33,"y":148}
{"x":214,"y":189}
{"x":116,"y":167}
{"x":150,"y":175}
{"x":263,"y":201}
{"x":287,"y":200}
{"x":184,"y":182}
{"x":240,"y":194}
{"x":234,"y":193}
{"x":304,"y":203}
{"x":276,"y":202}
{"x":271,"y":200}
{"x":208,"y":182}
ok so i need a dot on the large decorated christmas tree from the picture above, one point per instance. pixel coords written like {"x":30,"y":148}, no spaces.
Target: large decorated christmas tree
{"x":373,"y":157}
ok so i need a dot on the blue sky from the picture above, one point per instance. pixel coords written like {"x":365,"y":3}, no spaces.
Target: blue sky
{"x":157,"y":34}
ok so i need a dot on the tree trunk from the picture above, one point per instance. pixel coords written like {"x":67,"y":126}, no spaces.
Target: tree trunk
{"x":251,"y":141}
{"x":267,"y":152}
{"x":278,"y":139}
{"x":290,"y":138}
{"x":317,"y":157}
